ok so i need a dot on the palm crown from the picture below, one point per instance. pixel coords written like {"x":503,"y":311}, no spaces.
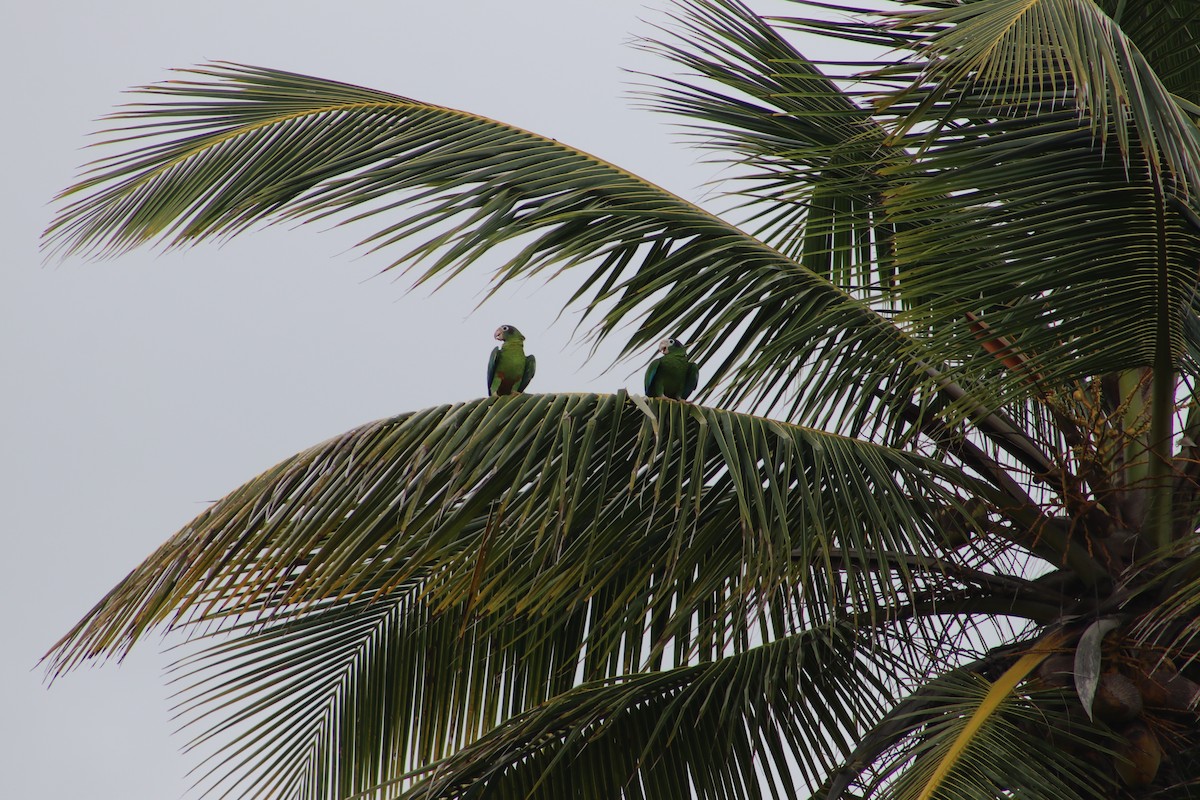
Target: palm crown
{"x":945,"y":547}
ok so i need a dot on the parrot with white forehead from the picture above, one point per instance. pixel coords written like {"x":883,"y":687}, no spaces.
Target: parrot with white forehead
{"x":672,"y":374}
{"x":509,"y":369}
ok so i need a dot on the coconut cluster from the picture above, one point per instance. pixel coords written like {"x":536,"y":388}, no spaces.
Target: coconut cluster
{"x":1134,"y":700}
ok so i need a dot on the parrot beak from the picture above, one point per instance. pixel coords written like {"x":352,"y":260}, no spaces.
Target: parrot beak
{"x":664,"y":346}
{"x":499,"y":334}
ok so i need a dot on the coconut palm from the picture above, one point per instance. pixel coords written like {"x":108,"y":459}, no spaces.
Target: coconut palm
{"x":929,"y":531}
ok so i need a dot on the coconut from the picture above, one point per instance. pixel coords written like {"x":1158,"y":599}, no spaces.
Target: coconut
{"x":1139,"y":755}
{"x":1166,"y":688}
{"x":1117,"y":699}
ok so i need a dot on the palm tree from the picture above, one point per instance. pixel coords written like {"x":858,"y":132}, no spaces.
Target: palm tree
{"x":929,"y":532}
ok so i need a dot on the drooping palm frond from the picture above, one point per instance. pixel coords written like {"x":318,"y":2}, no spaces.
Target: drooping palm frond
{"x":810,"y":158}
{"x":1029,"y":742}
{"x":349,"y":693}
{"x":406,"y":588}
{"x":1054,"y":239}
{"x":341,"y":698}
{"x":362,"y":698}
{"x":980,"y":729}
{"x":1166,"y":33}
{"x":542,"y":505}
{"x":1010,"y":205}
{"x":300,"y":705}
{"x":237,"y":146}
{"x":1067,"y":54}
{"x":723,"y":729}
{"x":262,"y":145}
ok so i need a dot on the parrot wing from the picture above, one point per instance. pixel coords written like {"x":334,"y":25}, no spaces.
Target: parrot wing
{"x":693,"y":379}
{"x":652,"y":371}
{"x":527,"y":375}
{"x":491,"y":375}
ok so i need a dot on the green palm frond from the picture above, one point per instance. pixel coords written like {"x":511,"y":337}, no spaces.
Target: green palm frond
{"x":366,"y":692}
{"x":1015,"y":51}
{"x":984,"y":714}
{"x":542,"y":505}
{"x":811,"y":157}
{"x":1165,"y":33}
{"x":1027,"y":743}
{"x":416,"y":584}
{"x":237,"y":146}
{"x":707,"y":731}
{"x":1067,"y":253}
{"x":359,"y":693}
{"x":1008,"y":205}
{"x":354,"y":691}
{"x":318,"y":693}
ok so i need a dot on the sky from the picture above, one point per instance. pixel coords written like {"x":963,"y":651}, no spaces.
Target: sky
{"x":139,"y":389}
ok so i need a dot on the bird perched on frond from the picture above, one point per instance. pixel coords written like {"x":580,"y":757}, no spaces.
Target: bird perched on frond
{"x":509,"y":369}
{"x":672,"y":374}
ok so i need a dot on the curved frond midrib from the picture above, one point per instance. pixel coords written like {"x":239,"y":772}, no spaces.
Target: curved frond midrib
{"x":160,"y":192}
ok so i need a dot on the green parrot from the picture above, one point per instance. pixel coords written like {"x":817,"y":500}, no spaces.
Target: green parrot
{"x":509,"y":369}
{"x":671,"y":374}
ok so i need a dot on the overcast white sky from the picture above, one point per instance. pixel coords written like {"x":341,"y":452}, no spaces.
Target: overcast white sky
{"x":139,"y":389}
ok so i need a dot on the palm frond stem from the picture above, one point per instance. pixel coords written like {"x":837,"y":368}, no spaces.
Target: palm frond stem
{"x":1162,"y":402}
{"x":1000,"y":689}
{"x":999,"y":429}
{"x":900,"y":719}
{"x":1046,"y":538}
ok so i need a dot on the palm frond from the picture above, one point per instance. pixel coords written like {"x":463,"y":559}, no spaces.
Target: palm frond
{"x":537,"y":504}
{"x":1165,"y":33}
{"x":364,"y":692}
{"x":1013,"y":207}
{"x":1030,"y":742}
{"x":733,"y":728}
{"x":338,"y":699}
{"x":319,"y":698}
{"x":235,"y":146}
{"x":999,"y":691}
{"x":1054,"y":241}
{"x":1061,"y":53}
{"x":353,"y":695}
{"x":810,"y":158}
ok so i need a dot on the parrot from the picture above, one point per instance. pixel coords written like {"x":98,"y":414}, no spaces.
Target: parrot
{"x":671,"y":374}
{"x":509,"y":369}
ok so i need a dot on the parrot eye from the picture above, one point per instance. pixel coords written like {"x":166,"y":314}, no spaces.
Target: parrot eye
{"x":506,"y":328}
